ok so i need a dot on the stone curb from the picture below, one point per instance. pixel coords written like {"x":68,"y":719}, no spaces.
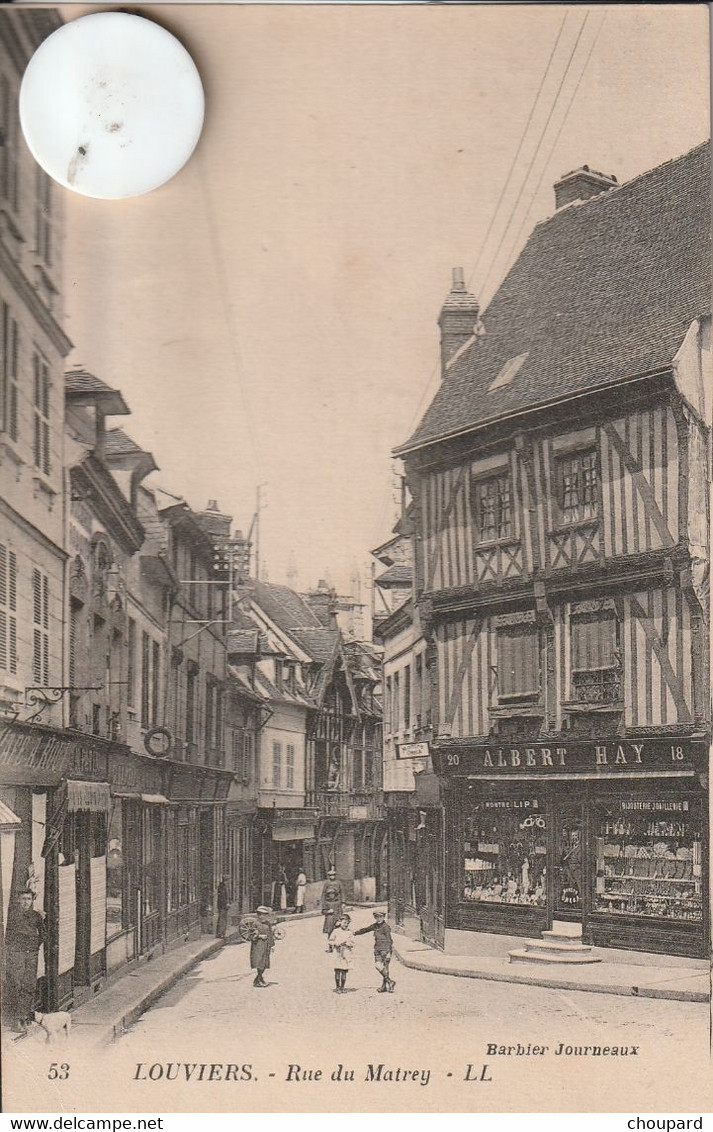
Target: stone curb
{"x":621,"y":989}
{"x":118,"y":1026}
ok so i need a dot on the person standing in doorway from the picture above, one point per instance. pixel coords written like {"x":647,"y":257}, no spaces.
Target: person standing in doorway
{"x":300,"y":891}
{"x":262,"y":941}
{"x":221,"y":902}
{"x":341,"y":942}
{"x":332,"y":903}
{"x":383,"y":948}
{"x":24,"y":936}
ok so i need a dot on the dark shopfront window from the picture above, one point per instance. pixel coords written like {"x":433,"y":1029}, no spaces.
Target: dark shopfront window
{"x":152,"y":864}
{"x":503,"y":852}
{"x":648,"y":859}
{"x":116,"y":903}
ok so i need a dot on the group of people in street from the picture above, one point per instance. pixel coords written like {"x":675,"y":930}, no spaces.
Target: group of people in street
{"x":337,"y":928}
{"x":340,"y":938}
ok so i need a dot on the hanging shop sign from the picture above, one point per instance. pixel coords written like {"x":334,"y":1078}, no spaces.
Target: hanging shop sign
{"x":412,"y":750}
{"x":661,"y":754}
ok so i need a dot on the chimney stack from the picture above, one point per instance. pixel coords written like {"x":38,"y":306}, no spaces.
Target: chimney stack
{"x":457,"y":319}
{"x":582,"y":184}
{"x":214,"y":522}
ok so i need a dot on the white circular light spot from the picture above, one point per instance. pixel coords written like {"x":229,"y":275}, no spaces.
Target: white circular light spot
{"x":111,"y":105}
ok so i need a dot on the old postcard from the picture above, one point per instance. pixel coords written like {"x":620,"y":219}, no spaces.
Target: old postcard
{"x":354,"y":574}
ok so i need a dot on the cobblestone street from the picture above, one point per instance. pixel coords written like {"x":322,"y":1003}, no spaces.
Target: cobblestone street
{"x":432,"y":1026}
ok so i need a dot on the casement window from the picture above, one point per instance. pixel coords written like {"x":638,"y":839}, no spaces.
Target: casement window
{"x":418,"y":691}
{"x":407,"y":697}
{"x":290,"y":766}
{"x":577,"y":485}
{"x":131,"y":663}
{"x":248,"y":755}
{"x":40,"y":628}
{"x":596,"y":658}
{"x":43,"y":216}
{"x":358,"y":769}
{"x":387,"y":704}
{"x":155,"y":682}
{"x":191,"y":685}
{"x":8,"y":609}
{"x":209,"y":712}
{"x":145,"y":679}
{"x":276,"y":763}
{"x":8,"y":143}
{"x":395,"y":703}
{"x":10,"y":392}
{"x":237,"y":752}
{"x":42,"y":413}
{"x":493,"y":508}
{"x":278,"y":674}
{"x":518,"y":662}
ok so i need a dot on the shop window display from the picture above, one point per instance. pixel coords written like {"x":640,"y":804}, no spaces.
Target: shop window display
{"x":504,"y":853}
{"x":648,"y":860}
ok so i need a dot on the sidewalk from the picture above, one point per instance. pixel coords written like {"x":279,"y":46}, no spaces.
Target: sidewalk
{"x":684,"y":984}
{"x":103,"y":1019}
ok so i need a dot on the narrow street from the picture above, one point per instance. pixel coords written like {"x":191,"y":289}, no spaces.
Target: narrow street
{"x":432,"y":1024}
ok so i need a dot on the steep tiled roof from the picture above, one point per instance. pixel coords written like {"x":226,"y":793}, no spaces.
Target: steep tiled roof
{"x":79,"y":382}
{"x":116,"y":442}
{"x":602,"y":291}
{"x":244,"y":641}
{"x":319,"y":643}
{"x":395,"y":576}
{"x":285,"y":607}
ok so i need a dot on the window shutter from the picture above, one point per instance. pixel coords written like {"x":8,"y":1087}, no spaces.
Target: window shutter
{"x":3,"y":639}
{"x":36,"y":597}
{"x":37,"y":656}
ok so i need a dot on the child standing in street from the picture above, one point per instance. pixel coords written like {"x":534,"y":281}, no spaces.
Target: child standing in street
{"x":383,"y":947}
{"x":341,"y":942}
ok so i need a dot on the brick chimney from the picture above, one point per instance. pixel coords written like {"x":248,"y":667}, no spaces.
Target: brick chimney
{"x":214,"y":522}
{"x":582,"y":184}
{"x":457,"y":319}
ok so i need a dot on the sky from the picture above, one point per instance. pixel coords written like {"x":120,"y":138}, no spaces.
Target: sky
{"x":270,"y":313}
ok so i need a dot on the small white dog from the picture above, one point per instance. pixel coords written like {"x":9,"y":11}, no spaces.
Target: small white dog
{"x":54,"y":1024}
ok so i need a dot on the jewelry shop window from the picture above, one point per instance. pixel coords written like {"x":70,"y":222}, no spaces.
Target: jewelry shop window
{"x":504,"y":852}
{"x":648,"y":859}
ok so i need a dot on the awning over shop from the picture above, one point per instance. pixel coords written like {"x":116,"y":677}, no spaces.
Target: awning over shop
{"x":292,"y":829}
{"x":155,"y":799}
{"x":93,"y":796}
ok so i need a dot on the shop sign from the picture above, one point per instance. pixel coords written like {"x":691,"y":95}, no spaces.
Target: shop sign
{"x":33,"y":756}
{"x":412,"y":751}
{"x":618,"y":756}
{"x":358,"y":813}
{"x":137,"y":776}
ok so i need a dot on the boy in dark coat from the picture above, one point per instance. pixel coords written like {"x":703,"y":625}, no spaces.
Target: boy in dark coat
{"x":262,"y":941}
{"x":24,"y":936}
{"x":383,"y":947}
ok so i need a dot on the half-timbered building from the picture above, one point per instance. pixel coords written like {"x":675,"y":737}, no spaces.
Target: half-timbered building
{"x":561,"y":482}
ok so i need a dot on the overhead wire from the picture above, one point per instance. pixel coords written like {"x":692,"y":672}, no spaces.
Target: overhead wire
{"x":494,"y":259}
{"x":548,"y":159}
{"x":433,"y":373}
{"x":518,"y":151}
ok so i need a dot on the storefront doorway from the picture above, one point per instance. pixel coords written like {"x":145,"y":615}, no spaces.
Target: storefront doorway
{"x":567,"y":895}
